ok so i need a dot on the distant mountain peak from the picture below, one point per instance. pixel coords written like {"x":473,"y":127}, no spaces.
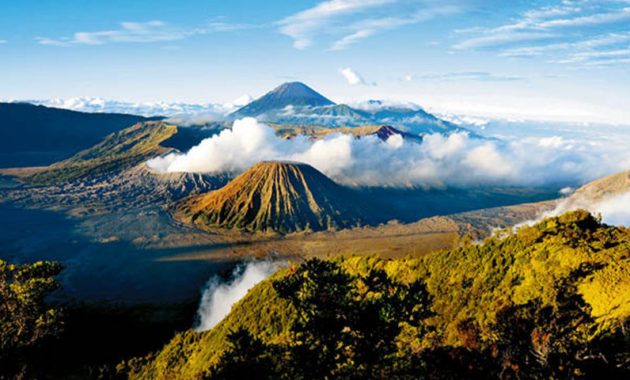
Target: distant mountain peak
{"x":386,"y":131}
{"x":287,"y":94}
{"x":298,"y":89}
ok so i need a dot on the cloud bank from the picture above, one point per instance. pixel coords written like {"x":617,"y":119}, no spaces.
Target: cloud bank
{"x":169,"y":109}
{"x":439,"y":160}
{"x":614,"y":210}
{"x":217,"y":298}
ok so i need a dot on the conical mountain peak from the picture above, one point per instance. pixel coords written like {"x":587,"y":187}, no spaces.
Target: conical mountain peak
{"x":287,"y":94}
{"x":298,"y":90}
{"x":278,"y":196}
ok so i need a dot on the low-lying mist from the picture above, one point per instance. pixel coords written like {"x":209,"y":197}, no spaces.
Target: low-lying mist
{"x":439,"y":160}
{"x":614,"y":210}
{"x":218,"y":297}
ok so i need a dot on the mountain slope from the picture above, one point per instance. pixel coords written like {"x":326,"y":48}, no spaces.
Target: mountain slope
{"x":279,"y":196}
{"x":298,"y":105}
{"x":118,"y":151}
{"x":385,"y":132}
{"x":473,"y":289}
{"x":287,"y":94}
{"x":36,"y":135}
{"x":603,"y":188}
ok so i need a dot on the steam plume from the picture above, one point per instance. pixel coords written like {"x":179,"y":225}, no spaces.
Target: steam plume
{"x":217,"y":298}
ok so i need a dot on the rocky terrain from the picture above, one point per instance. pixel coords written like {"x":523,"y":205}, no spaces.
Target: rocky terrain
{"x":279,"y":196}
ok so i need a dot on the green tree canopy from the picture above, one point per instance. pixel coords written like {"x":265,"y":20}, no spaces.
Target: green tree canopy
{"x":25,"y":319}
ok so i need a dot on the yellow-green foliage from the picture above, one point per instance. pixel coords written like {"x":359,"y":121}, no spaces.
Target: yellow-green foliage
{"x":469,"y":284}
{"x":117,"y":151}
{"x":25,"y":319}
{"x":191,"y":353}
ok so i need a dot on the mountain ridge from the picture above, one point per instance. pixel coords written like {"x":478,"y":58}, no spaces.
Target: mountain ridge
{"x":118,"y":151}
{"x":36,"y":135}
{"x":294,"y":103}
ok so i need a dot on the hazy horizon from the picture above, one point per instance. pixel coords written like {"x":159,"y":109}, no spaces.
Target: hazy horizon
{"x":548,"y":60}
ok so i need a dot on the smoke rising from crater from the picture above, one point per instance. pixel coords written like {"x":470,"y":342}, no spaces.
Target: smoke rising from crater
{"x":439,"y":160}
{"x":217,"y":298}
{"x":614,"y":210}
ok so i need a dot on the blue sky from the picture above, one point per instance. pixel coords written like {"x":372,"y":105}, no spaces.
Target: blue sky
{"x":551,"y":59}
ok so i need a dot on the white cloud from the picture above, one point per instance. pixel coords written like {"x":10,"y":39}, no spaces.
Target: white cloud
{"x":352,"y":77}
{"x":595,"y":42}
{"x":303,"y":25}
{"x":242,"y":100}
{"x":595,"y":19}
{"x":218,"y":298}
{"x":353,"y":20}
{"x":614,"y":209}
{"x":570,"y":29}
{"x":3,"y":41}
{"x":607,"y":62}
{"x":87,"y":104}
{"x":151,"y":31}
{"x":469,"y":75}
{"x":351,"y":39}
{"x":597,"y":56}
{"x":138,"y":32}
{"x":369,"y":27}
{"x":439,"y":160}
{"x":501,"y":38}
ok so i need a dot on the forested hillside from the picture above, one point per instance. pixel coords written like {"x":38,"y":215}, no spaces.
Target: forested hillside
{"x":548,"y":301}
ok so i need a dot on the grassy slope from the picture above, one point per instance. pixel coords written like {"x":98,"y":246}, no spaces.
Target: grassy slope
{"x":117,"y":151}
{"x":189,"y":353}
{"x":473,"y":281}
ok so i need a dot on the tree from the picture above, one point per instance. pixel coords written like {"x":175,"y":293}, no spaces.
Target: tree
{"x":347,"y":325}
{"x":25,"y":319}
{"x":320,"y":291}
{"x":558,"y":341}
{"x":247,"y":357}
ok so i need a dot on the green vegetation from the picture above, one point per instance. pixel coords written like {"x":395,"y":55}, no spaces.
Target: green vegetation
{"x":118,"y":151}
{"x":25,"y":320}
{"x":549,"y":301}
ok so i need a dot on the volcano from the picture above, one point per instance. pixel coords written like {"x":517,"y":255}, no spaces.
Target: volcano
{"x":295,"y":94}
{"x":277,"y":196}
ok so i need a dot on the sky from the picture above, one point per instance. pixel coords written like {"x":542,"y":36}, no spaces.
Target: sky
{"x":557,"y":60}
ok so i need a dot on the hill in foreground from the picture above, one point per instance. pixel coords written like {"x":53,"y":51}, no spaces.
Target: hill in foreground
{"x":279,"y":196}
{"x":549,"y":301}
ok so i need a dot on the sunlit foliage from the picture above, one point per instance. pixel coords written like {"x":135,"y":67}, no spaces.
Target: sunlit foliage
{"x":25,"y":319}
{"x":547,"y":301}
